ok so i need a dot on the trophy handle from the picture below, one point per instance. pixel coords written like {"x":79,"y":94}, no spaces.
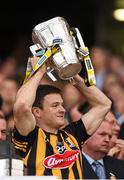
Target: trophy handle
{"x":38,"y":52}
{"x":88,"y":71}
{"x":50,"y":74}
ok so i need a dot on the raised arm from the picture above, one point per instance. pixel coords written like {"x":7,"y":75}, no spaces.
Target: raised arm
{"x":100,"y":105}
{"x":24,"y":119}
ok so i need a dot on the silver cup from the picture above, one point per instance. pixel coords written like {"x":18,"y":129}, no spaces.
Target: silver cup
{"x":53,"y":32}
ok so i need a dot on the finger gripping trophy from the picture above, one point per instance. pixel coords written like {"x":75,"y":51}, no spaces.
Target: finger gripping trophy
{"x":63,"y":49}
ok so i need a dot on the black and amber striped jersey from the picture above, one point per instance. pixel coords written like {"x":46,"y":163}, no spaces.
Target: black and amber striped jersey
{"x":58,"y":154}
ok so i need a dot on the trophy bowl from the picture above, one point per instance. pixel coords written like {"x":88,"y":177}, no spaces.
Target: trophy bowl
{"x":56,"y":32}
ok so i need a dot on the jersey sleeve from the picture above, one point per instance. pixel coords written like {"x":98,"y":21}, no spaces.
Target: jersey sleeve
{"x":78,"y":130}
{"x":23,"y":143}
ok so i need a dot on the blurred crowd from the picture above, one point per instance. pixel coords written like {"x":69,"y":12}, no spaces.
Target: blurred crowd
{"x":109,"y":72}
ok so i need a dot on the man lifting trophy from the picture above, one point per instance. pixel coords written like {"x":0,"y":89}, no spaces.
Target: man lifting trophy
{"x":47,"y":145}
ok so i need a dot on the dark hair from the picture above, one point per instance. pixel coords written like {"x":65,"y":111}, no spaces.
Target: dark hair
{"x":42,"y":91}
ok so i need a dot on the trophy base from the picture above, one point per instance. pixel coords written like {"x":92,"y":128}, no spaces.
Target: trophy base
{"x":69,"y":71}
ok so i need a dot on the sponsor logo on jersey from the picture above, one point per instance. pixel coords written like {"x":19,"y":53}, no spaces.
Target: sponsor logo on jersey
{"x":61,"y":161}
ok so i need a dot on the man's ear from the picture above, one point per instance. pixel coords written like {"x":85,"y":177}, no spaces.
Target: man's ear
{"x":37,"y":112}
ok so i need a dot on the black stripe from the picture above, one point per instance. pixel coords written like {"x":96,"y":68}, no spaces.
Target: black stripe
{"x":32,"y":158}
{"x":49,"y":151}
{"x":75,"y":170}
{"x":65,"y":173}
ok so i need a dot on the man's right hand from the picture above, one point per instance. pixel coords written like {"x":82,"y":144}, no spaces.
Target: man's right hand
{"x":118,"y":150}
{"x":34,"y":61}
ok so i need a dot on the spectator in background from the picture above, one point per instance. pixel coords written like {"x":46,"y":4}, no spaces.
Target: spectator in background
{"x":10,"y":122}
{"x":100,"y":56}
{"x":71,"y":96}
{"x":115,"y":127}
{"x":116,"y":143}
{"x":8,"y":91}
{"x":115,"y":63}
{"x":74,"y":113}
{"x":78,"y":110}
{"x":1,"y":103}
{"x":6,"y":123}
{"x":121,"y":134}
{"x":10,"y":125}
{"x":3,"y":123}
{"x":3,"y":128}
{"x":113,"y":88}
{"x":96,"y":163}
{"x":8,"y":67}
{"x":114,"y":84}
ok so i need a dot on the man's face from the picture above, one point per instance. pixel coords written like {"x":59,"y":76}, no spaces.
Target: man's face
{"x":9,"y":90}
{"x":53,"y":112}
{"x":99,"y":141}
{"x":115,"y":128}
{"x":3,"y":127}
{"x":114,"y":124}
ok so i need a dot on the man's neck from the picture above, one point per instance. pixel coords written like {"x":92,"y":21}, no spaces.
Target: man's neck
{"x":48,"y":129}
{"x":94,"y":155}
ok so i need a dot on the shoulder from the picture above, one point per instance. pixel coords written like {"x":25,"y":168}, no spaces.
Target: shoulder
{"x":75,"y":125}
{"x":114,"y":166}
{"x":112,"y":160}
{"x":77,"y":129}
{"x":17,"y":135}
